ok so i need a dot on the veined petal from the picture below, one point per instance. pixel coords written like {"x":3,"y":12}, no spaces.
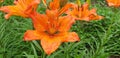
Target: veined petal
{"x":85,"y":6}
{"x":93,"y":11}
{"x":50,"y":45}
{"x":93,"y":15}
{"x":31,"y":35}
{"x":55,"y":4}
{"x":65,"y":23}
{"x":71,"y":37}
{"x":40,"y":21}
{"x":51,"y":14}
{"x":64,"y":9}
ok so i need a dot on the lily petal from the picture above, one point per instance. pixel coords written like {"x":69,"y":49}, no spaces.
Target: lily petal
{"x":115,"y":3}
{"x":40,"y":21}
{"x":55,"y":4}
{"x":65,"y":23}
{"x":50,"y":44}
{"x":72,"y":37}
{"x":64,"y":9}
{"x":31,"y":35}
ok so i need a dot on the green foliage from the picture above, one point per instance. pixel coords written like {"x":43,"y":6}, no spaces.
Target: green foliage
{"x":99,"y":39}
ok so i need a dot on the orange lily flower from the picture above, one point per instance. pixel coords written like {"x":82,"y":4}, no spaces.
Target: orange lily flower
{"x":20,"y":7}
{"x":115,"y":3}
{"x":51,"y":30}
{"x":83,"y":13}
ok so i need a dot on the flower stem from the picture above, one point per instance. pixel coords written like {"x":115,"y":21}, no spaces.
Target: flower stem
{"x":44,"y":2}
{"x":89,"y":2}
{"x":78,"y":2}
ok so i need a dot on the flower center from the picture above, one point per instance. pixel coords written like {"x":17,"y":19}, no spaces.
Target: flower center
{"x":52,"y":31}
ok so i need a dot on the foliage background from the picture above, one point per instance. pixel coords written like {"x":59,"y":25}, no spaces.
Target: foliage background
{"x":99,"y":39}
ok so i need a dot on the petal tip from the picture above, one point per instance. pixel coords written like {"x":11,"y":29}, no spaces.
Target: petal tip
{"x":31,"y":35}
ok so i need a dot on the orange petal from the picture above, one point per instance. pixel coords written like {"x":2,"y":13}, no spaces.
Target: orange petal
{"x":39,"y":21}
{"x":65,"y":23}
{"x":31,"y":35}
{"x":93,"y":11}
{"x":7,"y":16}
{"x":71,"y":37}
{"x":49,"y":45}
{"x":64,"y":9}
{"x":55,"y":4}
{"x":85,"y":6}
{"x":20,"y":6}
{"x":115,"y":3}
{"x":51,"y":14}
{"x":93,"y":15}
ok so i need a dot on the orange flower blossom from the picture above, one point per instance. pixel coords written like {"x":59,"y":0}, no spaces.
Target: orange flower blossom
{"x":115,"y":3}
{"x":19,"y":8}
{"x":51,"y":28}
{"x":83,"y":13}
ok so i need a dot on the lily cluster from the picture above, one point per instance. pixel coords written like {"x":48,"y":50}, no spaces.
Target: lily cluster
{"x":51,"y":28}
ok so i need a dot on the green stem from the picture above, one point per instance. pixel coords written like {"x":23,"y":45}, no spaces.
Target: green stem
{"x":89,"y":2}
{"x":78,"y":2}
{"x":44,"y":2}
